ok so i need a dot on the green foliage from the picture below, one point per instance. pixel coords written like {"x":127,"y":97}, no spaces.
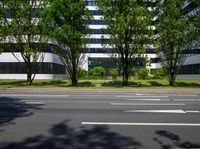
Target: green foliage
{"x":128,"y":24}
{"x":65,"y":22}
{"x":176,"y":33}
{"x":133,"y":72}
{"x":158,"y":73}
{"x":22,"y":30}
{"x":114,"y":73}
{"x":97,"y":71}
{"x":82,"y":73}
{"x":143,"y":73}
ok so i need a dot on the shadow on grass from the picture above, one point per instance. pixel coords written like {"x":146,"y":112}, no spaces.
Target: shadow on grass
{"x":155,"y":83}
{"x":50,"y":83}
{"x":186,"y":84}
{"x":63,"y":136}
{"x":169,"y":140}
{"x":85,"y":84}
{"x":119,"y":84}
{"x":12,"y":108}
{"x":13,"y":83}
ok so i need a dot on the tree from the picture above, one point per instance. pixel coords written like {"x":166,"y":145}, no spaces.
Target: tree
{"x":176,"y":33}
{"x":128,"y":22}
{"x":20,"y":30}
{"x":196,"y":20}
{"x":65,"y":23}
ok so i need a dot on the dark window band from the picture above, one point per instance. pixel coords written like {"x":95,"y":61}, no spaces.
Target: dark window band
{"x":42,"y":68}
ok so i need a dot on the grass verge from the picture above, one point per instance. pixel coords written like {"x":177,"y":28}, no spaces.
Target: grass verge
{"x":102,"y":83}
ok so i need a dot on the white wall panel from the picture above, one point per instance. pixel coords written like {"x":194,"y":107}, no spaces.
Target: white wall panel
{"x":192,"y":60}
{"x":9,"y":57}
{"x":97,"y":26}
{"x":92,"y":7}
{"x":37,"y":77}
{"x":98,"y":36}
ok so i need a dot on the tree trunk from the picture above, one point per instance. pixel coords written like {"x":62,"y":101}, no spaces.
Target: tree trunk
{"x":74,"y":82}
{"x":29,"y":74}
{"x":74,"y":76}
{"x":172,"y":78}
{"x":125,"y":75}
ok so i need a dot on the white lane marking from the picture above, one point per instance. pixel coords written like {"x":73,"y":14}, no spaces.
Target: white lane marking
{"x":121,"y":96}
{"x":90,"y":95}
{"x":147,"y":104}
{"x":184,"y":95}
{"x":141,"y":124}
{"x":34,"y":102}
{"x":156,"y":111}
{"x":192,"y":111}
{"x":163,"y":111}
{"x":144,"y":99}
{"x":31,"y":95}
{"x":185,"y":99}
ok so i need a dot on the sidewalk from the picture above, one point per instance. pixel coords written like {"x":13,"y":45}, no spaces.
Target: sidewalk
{"x":152,"y":90}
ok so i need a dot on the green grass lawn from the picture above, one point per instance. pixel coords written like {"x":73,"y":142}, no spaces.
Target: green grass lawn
{"x":103,"y":83}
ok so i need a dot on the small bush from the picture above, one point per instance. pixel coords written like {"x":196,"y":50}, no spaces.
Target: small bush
{"x":158,"y":73}
{"x":132,"y":72}
{"x":114,"y":73}
{"x":143,"y":73}
{"x":97,"y":71}
{"x":82,"y":73}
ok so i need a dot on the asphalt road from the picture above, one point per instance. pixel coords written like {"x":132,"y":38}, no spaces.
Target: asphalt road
{"x":99,"y":120}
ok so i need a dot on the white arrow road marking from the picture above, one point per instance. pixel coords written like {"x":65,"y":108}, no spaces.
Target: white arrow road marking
{"x":163,"y":111}
{"x":141,"y":124}
{"x":148,"y":104}
{"x":157,"y":111}
{"x":192,"y":111}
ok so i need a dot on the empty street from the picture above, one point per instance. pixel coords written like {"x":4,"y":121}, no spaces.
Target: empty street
{"x":99,"y":120}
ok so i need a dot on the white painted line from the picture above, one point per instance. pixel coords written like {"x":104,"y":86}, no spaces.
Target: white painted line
{"x":146,"y":94}
{"x":186,"y":100}
{"x":35,"y":102}
{"x":141,"y":124}
{"x":90,"y":95}
{"x":144,"y":99}
{"x":184,"y":95}
{"x":148,"y":104}
{"x":192,"y":111}
{"x":31,"y":95}
{"x":156,"y":111}
{"x":139,"y":94}
{"x":121,"y":96}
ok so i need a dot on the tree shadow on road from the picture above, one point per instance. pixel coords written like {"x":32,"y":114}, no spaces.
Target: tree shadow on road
{"x":169,"y":140}
{"x":12,"y":108}
{"x":63,"y":136}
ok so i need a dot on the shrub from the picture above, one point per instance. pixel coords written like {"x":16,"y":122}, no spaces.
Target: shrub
{"x":143,"y":73}
{"x":114,"y":73}
{"x":133,"y":72}
{"x":82,"y":73}
{"x":97,"y":71}
{"x":158,"y":73}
